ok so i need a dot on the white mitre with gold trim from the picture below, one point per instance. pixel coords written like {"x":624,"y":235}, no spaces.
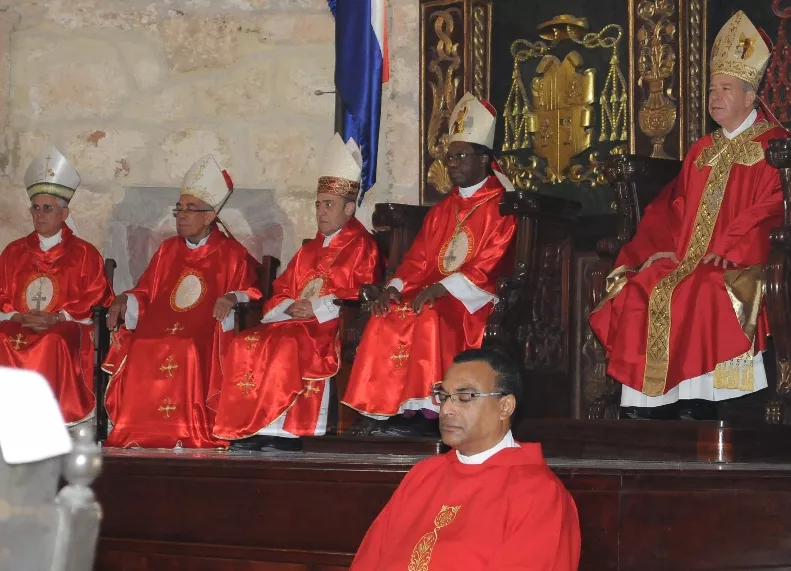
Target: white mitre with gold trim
{"x":51,"y":173}
{"x":740,"y":51}
{"x":473,"y":121}
{"x":206,"y":181}
{"x":341,"y":169}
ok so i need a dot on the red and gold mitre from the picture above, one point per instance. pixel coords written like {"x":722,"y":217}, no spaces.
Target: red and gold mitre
{"x":740,"y":51}
{"x":340,"y":172}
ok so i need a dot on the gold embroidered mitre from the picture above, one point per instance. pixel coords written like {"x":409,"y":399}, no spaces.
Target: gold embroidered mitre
{"x":473,"y":121}
{"x":340,"y":172}
{"x":51,"y":173}
{"x":740,"y":51}
{"x":207,"y":182}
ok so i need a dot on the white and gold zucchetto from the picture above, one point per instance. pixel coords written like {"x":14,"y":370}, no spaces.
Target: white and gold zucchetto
{"x":473,"y":121}
{"x":206,"y":181}
{"x":51,"y":173}
{"x":340,"y":171}
{"x":740,"y":51}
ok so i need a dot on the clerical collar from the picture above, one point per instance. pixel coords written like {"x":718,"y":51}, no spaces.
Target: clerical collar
{"x":507,"y":442}
{"x":746,"y":124}
{"x":51,"y":242}
{"x":328,"y":239}
{"x":468,"y":191}
{"x":192,"y":246}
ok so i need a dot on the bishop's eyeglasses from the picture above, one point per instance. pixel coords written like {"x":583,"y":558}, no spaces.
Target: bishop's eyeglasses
{"x":45,"y":208}
{"x":462,"y":397}
{"x":189,"y":210}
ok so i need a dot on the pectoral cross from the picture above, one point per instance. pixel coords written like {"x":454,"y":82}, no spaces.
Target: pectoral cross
{"x":399,"y":356}
{"x":176,"y":327}
{"x":402,"y":310}
{"x":168,"y":367}
{"x":252,"y":340}
{"x":309,"y":389}
{"x":166,"y":407}
{"x":450,"y":257}
{"x":17,"y":341}
{"x":246,"y":383}
{"x":39,"y":297}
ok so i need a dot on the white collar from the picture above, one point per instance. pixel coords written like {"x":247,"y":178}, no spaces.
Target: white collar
{"x":51,"y":242}
{"x":328,"y":239}
{"x":741,"y":128}
{"x":468,"y":191}
{"x":507,"y":442}
{"x":192,"y":246}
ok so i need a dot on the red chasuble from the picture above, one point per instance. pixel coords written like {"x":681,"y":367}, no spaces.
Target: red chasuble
{"x":401,"y":356}
{"x":676,"y":321}
{"x":69,"y":277}
{"x":164,"y":372}
{"x":509,"y":513}
{"x":282,"y":366}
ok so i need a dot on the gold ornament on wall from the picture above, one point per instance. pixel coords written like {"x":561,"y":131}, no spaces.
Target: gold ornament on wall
{"x":444,"y":86}
{"x":557,"y":120}
{"x":656,"y":63}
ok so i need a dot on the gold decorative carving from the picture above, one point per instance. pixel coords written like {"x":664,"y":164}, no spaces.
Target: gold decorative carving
{"x":559,"y":124}
{"x":655,"y":64}
{"x":444,"y":65}
{"x":478,"y":52}
{"x":562,"y":112}
{"x":696,"y":74}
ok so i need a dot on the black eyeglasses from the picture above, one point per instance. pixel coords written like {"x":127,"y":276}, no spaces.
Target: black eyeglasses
{"x":178,"y":210}
{"x":463,"y":397}
{"x":461,"y":156}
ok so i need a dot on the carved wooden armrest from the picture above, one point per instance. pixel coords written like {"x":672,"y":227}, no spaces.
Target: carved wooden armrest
{"x":101,"y":345}
{"x":247,"y":314}
{"x":778,"y":275}
{"x":353,"y":318}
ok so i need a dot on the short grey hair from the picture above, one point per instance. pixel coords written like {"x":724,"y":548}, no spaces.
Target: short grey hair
{"x":61,"y":202}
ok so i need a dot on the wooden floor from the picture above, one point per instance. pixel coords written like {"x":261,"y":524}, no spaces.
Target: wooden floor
{"x":238,"y":511}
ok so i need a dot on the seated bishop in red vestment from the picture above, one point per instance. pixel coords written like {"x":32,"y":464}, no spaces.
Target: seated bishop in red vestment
{"x":443,"y":291}
{"x":49,"y":281}
{"x":276,"y":381}
{"x":683,"y":319}
{"x":165,"y":371}
{"x":491,"y":503}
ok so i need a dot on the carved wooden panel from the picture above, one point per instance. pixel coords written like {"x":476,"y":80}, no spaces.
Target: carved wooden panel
{"x":455,"y":40}
{"x":667,"y":50}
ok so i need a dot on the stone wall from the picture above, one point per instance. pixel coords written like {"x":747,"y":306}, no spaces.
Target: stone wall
{"x":134,"y":91}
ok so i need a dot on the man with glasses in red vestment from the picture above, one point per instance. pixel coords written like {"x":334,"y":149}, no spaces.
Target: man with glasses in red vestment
{"x":491,"y":503}
{"x":49,"y":281}
{"x":164,"y":372}
{"x":441,"y":295}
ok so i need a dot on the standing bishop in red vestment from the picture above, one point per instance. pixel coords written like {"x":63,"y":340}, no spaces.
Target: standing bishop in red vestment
{"x":49,"y":280}
{"x":683,"y":319}
{"x":163,"y":374}
{"x":277,"y":375}
{"x":443,"y":291}
{"x":491,"y":503}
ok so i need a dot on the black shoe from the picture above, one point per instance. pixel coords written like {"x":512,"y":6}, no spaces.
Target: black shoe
{"x":255,"y":442}
{"x":366,"y":426}
{"x":284,"y":444}
{"x":416,"y":427}
{"x":698,"y":409}
{"x":665,"y":412}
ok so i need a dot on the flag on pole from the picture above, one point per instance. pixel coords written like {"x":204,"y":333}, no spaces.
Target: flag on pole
{"x":360,"y":69}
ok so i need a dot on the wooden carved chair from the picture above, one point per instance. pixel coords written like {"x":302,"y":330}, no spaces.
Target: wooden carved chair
{"x":636,"y":180}
{"x":247,"y":315}
{"x":778,"y":277}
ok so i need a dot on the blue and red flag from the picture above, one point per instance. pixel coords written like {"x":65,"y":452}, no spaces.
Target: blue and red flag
{"x":360,"y":70}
